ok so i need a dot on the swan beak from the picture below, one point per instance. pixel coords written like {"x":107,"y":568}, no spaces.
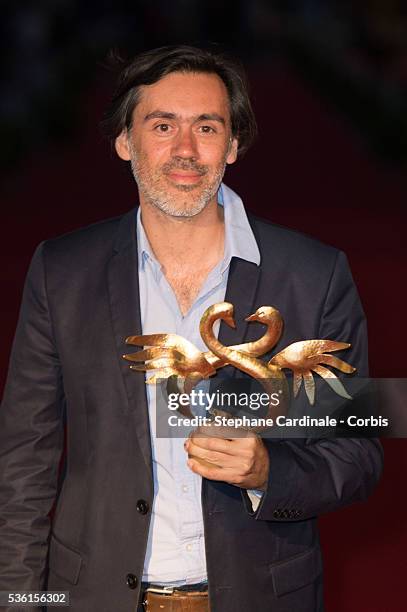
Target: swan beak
{"x":230,"y":321}
{"x":251,"y":318}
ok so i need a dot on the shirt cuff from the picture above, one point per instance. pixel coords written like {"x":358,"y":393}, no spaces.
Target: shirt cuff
{"x":255,"y":497}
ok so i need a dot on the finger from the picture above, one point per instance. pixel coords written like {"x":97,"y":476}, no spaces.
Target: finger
{"x":203,"y":462}
{"x":206,"y":471}
{"x":209,"y":444}
{"x":223,"y":432}
{"x":229,"y":475}
{"x":238,"y":447}
{"x":219,"y":459}
{"x":235,"y":447}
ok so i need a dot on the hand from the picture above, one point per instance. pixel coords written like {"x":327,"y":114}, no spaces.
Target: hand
{"x":241,"y":461}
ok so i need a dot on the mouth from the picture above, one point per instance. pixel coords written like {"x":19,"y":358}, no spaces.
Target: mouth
{"x":185,"y":178}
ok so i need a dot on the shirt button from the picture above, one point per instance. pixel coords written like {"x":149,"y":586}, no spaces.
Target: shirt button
{"x":188,"y":547}
{"x":185,"y":488}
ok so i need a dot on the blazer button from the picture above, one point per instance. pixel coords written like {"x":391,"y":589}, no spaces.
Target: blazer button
{"x":142,"y":506}
{"x":131,"y":581}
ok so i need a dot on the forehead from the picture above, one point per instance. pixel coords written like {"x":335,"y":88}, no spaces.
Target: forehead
{"x":185,"y":94}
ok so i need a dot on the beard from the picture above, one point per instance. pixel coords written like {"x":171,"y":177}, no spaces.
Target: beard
{"x":188,"y":200}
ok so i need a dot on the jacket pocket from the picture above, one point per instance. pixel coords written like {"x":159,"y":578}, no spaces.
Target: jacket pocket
{"x":63,"y":561}
{"x":296,"y":572}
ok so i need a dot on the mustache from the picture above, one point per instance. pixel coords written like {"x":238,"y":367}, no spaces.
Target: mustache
{"x":184,"y":164}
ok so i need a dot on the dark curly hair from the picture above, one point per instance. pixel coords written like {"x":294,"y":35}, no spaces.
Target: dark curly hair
{"x":150,"y":66}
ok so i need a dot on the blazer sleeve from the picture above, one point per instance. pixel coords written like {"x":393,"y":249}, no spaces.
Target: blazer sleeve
{"x":309,"y":477}
{"x":31,"y":439}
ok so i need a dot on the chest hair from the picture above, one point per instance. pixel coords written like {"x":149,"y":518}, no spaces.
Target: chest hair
{"x":186,"y":286}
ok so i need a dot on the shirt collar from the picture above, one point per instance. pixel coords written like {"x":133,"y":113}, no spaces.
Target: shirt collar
{"x":239,"y":238}
{"x":144,"y":250}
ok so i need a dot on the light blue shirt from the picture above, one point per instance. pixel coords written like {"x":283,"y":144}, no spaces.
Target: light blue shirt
{"x":176,"y":549}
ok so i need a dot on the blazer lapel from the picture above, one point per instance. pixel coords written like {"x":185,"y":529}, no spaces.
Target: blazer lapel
{"x":241,"y":292}
{"x":126,"y":320}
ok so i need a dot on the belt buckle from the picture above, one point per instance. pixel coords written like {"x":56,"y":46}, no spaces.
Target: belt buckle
{"x":166,"y":590}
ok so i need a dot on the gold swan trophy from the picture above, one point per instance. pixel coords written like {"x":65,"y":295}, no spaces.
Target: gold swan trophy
{"x":171,"y":355}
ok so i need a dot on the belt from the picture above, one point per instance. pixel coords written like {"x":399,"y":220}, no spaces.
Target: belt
{"x":186,"y":598}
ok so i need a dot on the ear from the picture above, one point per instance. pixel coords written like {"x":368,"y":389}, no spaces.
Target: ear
{"x":122,"y":146}
{"x":232,"y":154}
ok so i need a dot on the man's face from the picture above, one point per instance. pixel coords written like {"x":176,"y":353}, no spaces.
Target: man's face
{"x":180,"y":142}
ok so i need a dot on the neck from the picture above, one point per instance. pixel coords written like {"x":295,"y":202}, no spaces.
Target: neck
{"x":184,"y":241}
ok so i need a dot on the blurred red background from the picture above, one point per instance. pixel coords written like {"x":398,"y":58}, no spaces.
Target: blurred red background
{"x":309,"y":171}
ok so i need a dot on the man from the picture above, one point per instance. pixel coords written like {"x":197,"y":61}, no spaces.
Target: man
{"x":133,"y":510}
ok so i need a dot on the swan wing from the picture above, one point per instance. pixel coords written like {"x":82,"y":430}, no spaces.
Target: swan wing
{"x":306,"y":357}
{"x":173,"y":341}
{"x":169,"y":354}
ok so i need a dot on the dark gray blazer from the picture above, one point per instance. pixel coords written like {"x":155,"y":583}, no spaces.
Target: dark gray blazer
{"x":80,"y":302}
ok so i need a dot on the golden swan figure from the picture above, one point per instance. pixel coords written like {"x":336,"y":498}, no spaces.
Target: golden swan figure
{"x":171,"y":354}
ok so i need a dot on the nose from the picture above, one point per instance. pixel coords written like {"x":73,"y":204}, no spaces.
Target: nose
{"x":185,"y":144}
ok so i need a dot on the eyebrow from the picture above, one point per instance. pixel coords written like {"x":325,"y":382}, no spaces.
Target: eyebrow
{"x":158,"y":114}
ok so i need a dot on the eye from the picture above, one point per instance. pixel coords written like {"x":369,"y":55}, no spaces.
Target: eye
{"x":207,"y":129}
{"x":162,"y":128}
